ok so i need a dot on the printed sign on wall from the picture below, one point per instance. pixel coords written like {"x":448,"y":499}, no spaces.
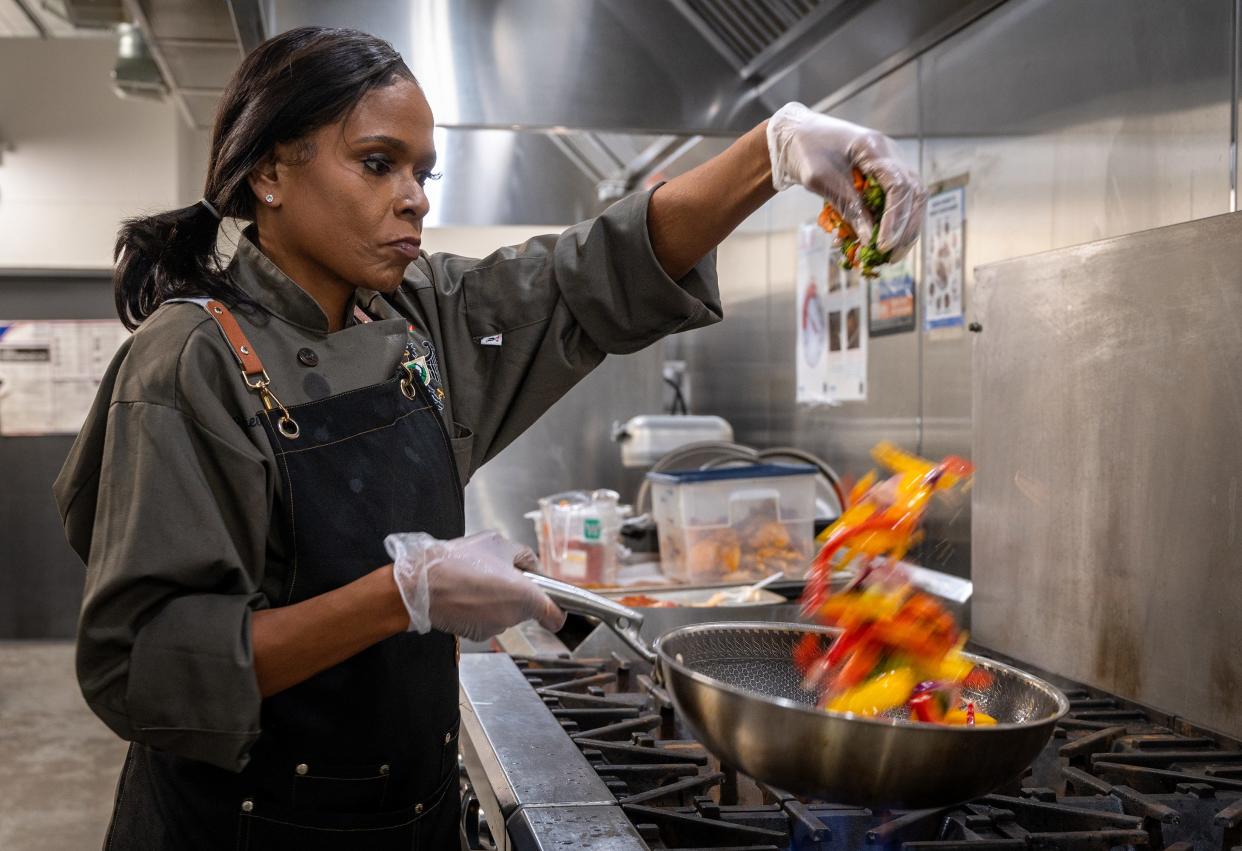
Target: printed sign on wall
{"x":944,"y":258}
{"x":50,"y":372}
{"x":892,"y":298}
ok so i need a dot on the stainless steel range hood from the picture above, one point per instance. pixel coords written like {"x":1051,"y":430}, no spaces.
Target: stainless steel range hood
{"x":635,"y":66}
{"x":589,"y":99}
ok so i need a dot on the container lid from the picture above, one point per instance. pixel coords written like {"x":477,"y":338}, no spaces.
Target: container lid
{"x":757,"y":471}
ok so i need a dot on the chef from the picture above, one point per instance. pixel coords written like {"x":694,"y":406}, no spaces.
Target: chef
{"x":267,"y":492}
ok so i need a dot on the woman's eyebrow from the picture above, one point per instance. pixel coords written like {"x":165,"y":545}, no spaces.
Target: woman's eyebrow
{"x":390,"y":141}
{"x":397,"y":145}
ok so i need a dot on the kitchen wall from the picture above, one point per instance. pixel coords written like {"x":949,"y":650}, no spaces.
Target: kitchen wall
{"x":1071,"y":121}
{"x":74,"y":158}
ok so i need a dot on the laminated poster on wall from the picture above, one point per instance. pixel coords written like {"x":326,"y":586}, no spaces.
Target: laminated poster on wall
{"x":831,"y":315}
{"x":847,"y":332}
{"x":892,"y":298}
{"x":811,"y":285}
{"x":944,"y":259}
{"x":50,"y":372}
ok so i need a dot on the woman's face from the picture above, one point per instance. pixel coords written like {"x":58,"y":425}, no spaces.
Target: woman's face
{"x":351,"y":214}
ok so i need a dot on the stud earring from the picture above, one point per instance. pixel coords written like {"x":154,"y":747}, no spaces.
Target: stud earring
{"x":268,"y":198}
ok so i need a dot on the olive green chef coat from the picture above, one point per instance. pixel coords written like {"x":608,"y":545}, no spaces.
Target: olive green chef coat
{"x":168,"y":492}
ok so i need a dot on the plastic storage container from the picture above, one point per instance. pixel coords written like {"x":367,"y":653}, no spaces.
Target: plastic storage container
{"x":736,"y":523}
{"x":579,"y":534}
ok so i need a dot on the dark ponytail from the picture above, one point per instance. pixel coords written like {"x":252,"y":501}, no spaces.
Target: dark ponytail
{"x":287,"y":88}
{"x":162,"y":256}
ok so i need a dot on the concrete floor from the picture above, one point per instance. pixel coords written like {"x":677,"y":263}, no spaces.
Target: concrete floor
{"x":58,"y":763}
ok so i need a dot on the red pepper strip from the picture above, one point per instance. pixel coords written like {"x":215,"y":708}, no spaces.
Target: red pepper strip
{"x":977,"y":679}
{"x":817,"y":587}
{"x":859,"y":666}
{"x":970,"y":714}
{"x":910,"y":638}
{"x":808,"y":651}
{"x":848,"y":640}
{"x":925,"y":707}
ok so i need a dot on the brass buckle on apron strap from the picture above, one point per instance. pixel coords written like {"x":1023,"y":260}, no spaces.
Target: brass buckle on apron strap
{"x":286,"y":425}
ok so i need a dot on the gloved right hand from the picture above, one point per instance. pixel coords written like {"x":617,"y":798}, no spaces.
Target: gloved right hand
{"x":820,"y":153}
{"x":469,"y":586}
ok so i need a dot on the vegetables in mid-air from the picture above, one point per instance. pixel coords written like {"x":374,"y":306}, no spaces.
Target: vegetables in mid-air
{"x":898,"y":649}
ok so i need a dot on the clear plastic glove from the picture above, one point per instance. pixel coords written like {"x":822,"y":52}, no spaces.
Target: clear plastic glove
{"x":468,"y":586}
{"x":820,"y":153}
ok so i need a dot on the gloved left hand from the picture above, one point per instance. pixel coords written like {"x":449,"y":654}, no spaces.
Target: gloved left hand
{"x":470,"y":586}
{"x":820,"y":153}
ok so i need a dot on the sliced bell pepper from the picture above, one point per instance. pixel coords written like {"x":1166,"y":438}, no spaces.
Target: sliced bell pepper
{"x":925,"y":707}
{"x":847,"y":641}
{"x":808,"y":651}
{"x":859,"y":665}
{"x":879,"y":695}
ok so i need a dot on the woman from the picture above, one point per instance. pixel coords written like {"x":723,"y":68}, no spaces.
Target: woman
{"x":284,"y":684}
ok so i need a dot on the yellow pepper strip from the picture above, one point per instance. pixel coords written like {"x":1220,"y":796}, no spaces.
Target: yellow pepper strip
{"x":878,"y":695}
{"x":953,"y":667}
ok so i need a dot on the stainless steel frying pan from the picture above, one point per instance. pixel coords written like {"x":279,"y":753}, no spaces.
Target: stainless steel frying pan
{"x":736,"y":687}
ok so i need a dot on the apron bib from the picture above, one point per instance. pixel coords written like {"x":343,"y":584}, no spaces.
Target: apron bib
{"x":362,"y":755}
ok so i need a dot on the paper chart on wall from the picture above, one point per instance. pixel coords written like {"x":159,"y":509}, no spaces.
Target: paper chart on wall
{"x":811,"y":286}
{"x":50,"y":372}
{"x":847,"y":332}
{"x":831,"y":305}
{"x":944,"y":259}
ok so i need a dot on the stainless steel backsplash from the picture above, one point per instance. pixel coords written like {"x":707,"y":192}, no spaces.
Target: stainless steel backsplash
{"x":1071,"y":121}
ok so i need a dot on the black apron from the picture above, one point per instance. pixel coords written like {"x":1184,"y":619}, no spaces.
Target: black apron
{"x":362,"y":756}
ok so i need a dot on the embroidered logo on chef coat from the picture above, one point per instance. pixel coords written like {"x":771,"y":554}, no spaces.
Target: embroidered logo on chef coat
{"x":425,"y":365}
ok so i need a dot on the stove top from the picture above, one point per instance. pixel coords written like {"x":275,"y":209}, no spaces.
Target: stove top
{"x":566,"y":753}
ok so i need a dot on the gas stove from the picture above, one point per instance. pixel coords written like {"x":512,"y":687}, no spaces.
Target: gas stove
{"x":566,"y":753}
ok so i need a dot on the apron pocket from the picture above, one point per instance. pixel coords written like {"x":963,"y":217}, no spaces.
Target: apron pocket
{"x":267,"y":828}
{"x":462,"y":445}
{"x":340,"y":788}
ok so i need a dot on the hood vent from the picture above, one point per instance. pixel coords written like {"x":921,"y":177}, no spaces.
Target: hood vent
{"x":743,"y":29}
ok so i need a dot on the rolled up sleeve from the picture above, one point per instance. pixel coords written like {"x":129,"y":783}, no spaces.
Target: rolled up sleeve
{"x":164,"y":654}
{"x":520,"y":327}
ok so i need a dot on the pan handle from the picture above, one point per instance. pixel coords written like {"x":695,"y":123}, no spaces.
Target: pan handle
{"x":622,"y":620}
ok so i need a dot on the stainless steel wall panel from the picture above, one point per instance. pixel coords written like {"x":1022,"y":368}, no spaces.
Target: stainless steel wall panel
{"x":569,"y":448}
{"x":1107,"y":409}
{"x":732,"y":365}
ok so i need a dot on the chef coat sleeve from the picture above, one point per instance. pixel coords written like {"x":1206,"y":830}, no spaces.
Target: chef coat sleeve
{"x":526,"y":323}
{"x":180,"y":522}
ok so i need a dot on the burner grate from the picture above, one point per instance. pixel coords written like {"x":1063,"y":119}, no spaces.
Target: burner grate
{"x":1115,"y":776}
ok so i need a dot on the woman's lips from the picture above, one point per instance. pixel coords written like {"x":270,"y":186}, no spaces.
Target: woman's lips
{"x":408,"y":247}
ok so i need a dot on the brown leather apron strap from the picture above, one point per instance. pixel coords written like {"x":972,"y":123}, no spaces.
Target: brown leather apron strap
{"x":247,"y":358}
{"x":252,"y":370}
